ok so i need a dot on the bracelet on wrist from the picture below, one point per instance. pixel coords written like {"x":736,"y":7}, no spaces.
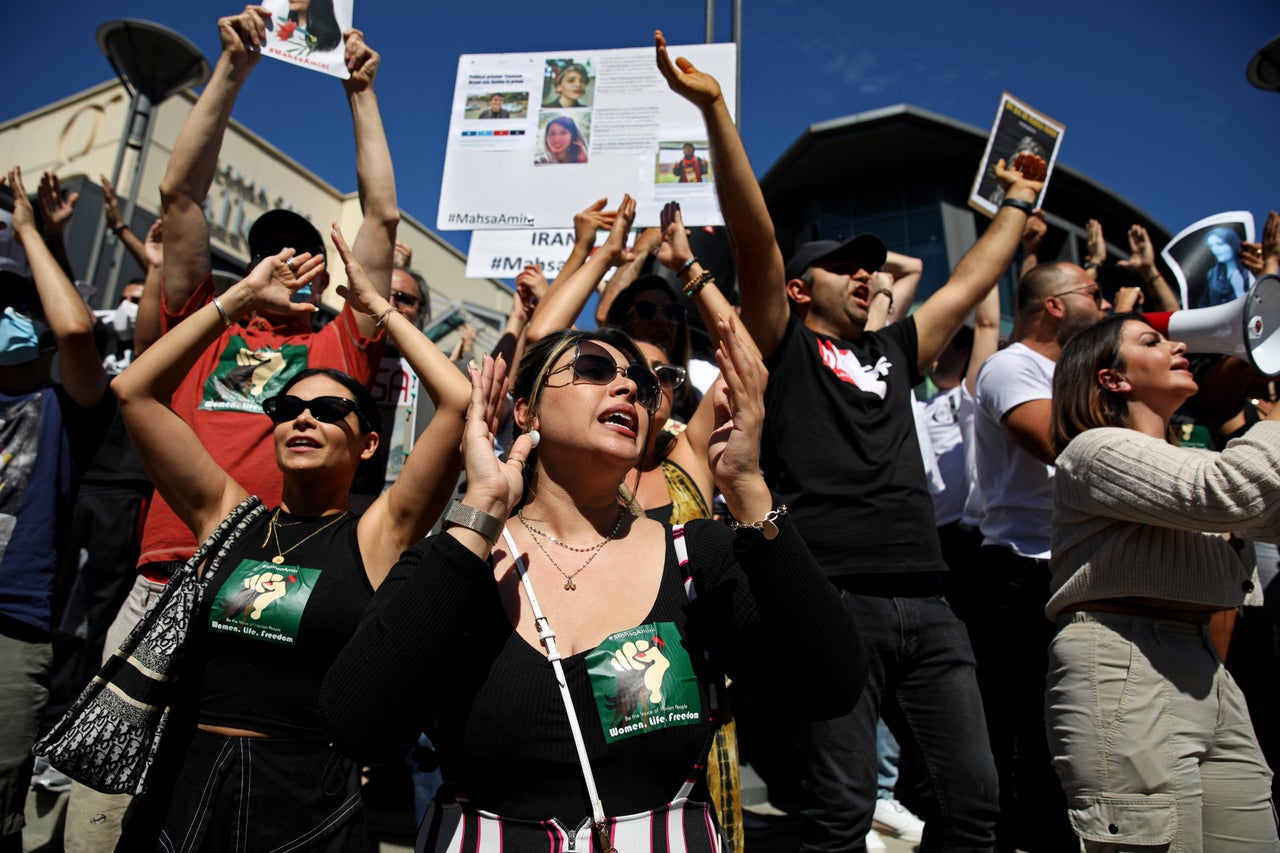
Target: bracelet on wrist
{"x":1017,"y":203}
{"x":381,"y":318}
{"x":692,"y":288}
{"x":226,"y":319}
{"x":768,"y":526}
{"x":1089,"y":265}
{"x":685,"y":266}
{"x":121,"y":227}
{"x":475,"y":520}
{"x":888,"y":293}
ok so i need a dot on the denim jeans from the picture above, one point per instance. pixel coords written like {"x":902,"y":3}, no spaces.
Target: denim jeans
{"x":888,"y":754}
{"x":918,"y":653}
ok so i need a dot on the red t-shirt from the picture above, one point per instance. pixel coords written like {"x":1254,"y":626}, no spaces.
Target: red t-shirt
{"x":221,"y":398}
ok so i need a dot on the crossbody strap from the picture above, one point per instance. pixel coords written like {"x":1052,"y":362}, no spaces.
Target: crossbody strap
{"x":548,"y":638}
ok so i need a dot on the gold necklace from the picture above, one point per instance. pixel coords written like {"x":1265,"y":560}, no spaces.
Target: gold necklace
{"x":595,"y":549}
{"x":273,"y":532}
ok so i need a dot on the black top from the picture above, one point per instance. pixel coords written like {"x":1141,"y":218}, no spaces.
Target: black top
{"x":840,"y":448}
{"x":438,"y":652}
{"x":266,"y":634}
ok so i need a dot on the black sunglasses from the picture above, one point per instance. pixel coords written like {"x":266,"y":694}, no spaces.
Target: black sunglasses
{"x":408,"y":300}
{"x":670,"y":375}
{"x":594,"y":365}
{"x":327,"y":410}
{"x":672,"y":311}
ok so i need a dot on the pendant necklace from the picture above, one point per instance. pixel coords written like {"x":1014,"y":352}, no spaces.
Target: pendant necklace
{"x":273,"y":532}
{"x":593,"y":550}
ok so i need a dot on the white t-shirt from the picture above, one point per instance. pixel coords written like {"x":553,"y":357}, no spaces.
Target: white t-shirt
{"x":942,"y":420}
{"x":1018,"y":487}
{"x":975,"y":505}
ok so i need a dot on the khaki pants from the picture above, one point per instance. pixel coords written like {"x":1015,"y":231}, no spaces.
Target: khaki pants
{"x":94,"y":819}
{"x":1152,"y":740}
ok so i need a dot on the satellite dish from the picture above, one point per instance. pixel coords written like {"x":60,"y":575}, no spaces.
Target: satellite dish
{"x":151,"y":59}
{"x":1264,"y":68}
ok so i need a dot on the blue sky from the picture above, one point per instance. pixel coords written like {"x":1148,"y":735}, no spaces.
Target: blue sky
{"x":1153,"y":95}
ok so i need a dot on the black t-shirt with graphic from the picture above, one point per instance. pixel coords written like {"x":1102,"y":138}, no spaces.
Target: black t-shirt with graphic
{"x":270,"y":632}
{"x":840,"y":448}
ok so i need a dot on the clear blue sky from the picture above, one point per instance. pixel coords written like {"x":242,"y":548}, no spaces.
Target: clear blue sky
{"x":1153,"y":95}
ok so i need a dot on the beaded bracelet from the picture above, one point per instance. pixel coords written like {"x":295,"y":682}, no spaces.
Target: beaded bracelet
{"x":692,"y":288}
{"x":687,"y":264}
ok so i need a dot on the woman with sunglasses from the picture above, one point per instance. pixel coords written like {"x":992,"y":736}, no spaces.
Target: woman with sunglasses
{"x":294,"y":586}
{"x":455,"y":640}
{"x":1150,"y":735}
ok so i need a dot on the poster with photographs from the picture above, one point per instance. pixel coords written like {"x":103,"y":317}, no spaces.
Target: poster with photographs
{"x":1205,"y":259}
{"x":535,"y":137}
{"x":1018,"y":129}
{"x":308,"y":33}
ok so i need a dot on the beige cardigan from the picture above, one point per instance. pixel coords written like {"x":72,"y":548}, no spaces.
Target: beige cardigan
{"x":1136,"y":516}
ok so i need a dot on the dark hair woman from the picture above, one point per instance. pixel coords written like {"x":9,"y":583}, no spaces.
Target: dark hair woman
{"x":562,"y":142}
{"x":543,"y":557}
{"x":294,"y":585}
{"x":316,"y":18}
{"x":1150,"y":735}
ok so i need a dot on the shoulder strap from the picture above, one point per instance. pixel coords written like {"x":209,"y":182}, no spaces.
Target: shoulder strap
{"x":548,"y":638}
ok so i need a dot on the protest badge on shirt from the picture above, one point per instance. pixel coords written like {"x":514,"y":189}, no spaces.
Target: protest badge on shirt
{"x":1018,"y":130}
{"x":533,"y":137}
{"x":1205,"y":259}
{"x":308,"y":33}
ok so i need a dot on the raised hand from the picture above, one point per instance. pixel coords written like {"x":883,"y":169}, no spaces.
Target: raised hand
{"x":1033,"y":232}
{"x":674,"y":251}
{"x":697,"y":87}
{"x":404,"y":255}
{"x":615,"y":245}
{"x":733,"y":451}
{"x":24,"y":216}
{"x":362,"y":62}
{"x":359,"y":291}
{"x":243,"y":35}
{"x":493,"y":486}
{"x":1011,"y":177}
{"x":153,"y":247}
{"x":277,"y":277}
{"x":54,"y":206}
{"x":595,"y":218}
{"x":1142,"y":255}
{"x":1095,"y":246}
{"x":110,"y":205}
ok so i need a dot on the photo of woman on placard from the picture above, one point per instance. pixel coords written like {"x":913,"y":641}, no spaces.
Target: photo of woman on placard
{"x":562,"y":142}
{"x":314,"y":24}
{"x":1205,"y":259}
{"x":567,"y":85}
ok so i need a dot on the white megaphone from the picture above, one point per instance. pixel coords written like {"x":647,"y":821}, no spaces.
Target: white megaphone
{"x":1246,"y":327}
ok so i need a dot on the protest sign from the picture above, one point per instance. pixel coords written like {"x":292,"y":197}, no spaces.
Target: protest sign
{"x":308,"y":33}
{"x":535,"y":137}
{"x":1018,"y":129}
{"x":1205,"y":259}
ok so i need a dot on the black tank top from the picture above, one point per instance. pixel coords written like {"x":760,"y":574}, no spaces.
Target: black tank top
{"x":267,"y":633}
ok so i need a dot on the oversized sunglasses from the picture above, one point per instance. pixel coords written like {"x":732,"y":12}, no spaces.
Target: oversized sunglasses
{"x":671,"y":376}
{"x":408,"y":300}
{"x":327,"y":410}
{"x":673,"y":312}
{"x":594,"y":365}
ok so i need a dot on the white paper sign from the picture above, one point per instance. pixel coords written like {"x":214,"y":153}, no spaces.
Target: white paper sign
{"x":1018,"y":129}
{"x":536,"y":137}
{"x":308,"y":33}
{"x":502,"y":254}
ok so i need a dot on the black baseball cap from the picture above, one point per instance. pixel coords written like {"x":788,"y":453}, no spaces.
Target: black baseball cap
{"x":278,"y":229}
{"x":865,"y":250}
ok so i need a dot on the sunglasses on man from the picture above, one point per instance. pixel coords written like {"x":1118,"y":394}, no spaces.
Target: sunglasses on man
{"x":594,"y":365}
{"x":672,"y":312}
{"x":408,"y":300}
{"x":326,"y":410}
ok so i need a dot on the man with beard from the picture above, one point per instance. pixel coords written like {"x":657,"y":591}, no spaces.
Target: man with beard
{"x":1010,"y":633}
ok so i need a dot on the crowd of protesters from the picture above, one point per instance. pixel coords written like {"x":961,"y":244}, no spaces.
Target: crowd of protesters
{"x":1006,"y":603}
